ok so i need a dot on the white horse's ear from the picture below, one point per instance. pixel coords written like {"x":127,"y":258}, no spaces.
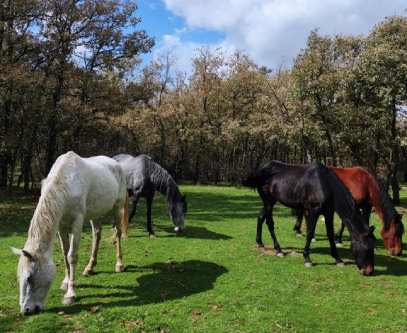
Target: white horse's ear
{"x":16,"y":251}
{"x":22,"y":253}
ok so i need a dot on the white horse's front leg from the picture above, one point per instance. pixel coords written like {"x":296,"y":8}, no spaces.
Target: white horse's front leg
{"x":70,"y":296}
{"x":64,"y":239}
{"x":96,"y":235}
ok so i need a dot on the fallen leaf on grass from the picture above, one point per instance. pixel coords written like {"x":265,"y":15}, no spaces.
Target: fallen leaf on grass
{"x":372,"y":309}
{"x":197,"y":313}
{"x":94,"y":309}
{"x":216,"y":307}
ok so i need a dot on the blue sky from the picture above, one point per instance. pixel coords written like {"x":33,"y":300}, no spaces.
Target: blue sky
{"x":272,"y":32}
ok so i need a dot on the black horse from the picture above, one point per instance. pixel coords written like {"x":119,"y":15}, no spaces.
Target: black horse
{"x":143,"y":178}
{"x":317,"y":189}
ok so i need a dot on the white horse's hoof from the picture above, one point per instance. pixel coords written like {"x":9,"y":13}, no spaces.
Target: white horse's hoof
{"x":309,"y":264}
{"x":298,"y":234}
{"x":339,"y":245}
{"x":120,"y":268}
{"x":68,"y":300}
{"x":280,"y":254}
{"x":313,"y":240}
{"x":153,"y":236}
{"x":340,"y":264}
{"x":64,"y":286}
{"x":87,"y":272}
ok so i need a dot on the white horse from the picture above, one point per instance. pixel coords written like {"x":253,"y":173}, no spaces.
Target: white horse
{"x":75,"y":190}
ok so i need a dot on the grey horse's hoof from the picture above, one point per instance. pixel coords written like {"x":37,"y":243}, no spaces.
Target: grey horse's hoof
{"x":68,"y":300}
{"x":309,"y":264}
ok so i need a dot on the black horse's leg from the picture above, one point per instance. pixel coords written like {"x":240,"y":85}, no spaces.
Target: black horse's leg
{"x":149,"y":228}
{"x":338,"y":235}
{"x":366,"y":210}
{"x":260,"y":219}
{"x":329,"y":224}
{"x":312,"y":222}
{"x":297,"y":228}
{"x":133,"y":209}
{"x":270,"y":225}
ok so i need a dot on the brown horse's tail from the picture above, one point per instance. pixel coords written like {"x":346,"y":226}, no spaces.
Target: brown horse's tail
{"x":125,"y":217}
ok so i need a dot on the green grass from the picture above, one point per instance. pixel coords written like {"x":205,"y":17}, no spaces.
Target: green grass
{"x":210,"y":279}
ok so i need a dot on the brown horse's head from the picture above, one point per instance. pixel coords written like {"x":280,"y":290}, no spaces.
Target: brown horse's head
{"x":392,"y":238}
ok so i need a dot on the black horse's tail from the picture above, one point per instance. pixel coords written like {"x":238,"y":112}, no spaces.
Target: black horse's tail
{"x":259,"y":176}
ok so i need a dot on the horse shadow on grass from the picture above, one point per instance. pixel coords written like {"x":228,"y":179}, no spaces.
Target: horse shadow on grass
{"x":394,"y":266}
{"x":158,"y":283}
{"x":189,"y":232}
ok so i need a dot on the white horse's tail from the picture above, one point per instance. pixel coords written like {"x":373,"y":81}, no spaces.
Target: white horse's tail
{"x":125,"y":217}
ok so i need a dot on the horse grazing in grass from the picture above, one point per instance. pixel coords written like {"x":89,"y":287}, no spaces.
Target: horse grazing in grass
{"x":143,"y":178}
{"x":76,"y":189}
{"x":317,"y":189}
{"x":367,"y":192}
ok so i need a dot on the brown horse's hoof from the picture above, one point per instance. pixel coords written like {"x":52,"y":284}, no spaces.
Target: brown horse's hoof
{"x":120,"y":268}
{"x":339,"y":245}
{"x":309,"y":264}
{"x":340,"y":264}
{"x":64,"y":286}
{"x":153,"y":236}
{"x":87,"y":272}
{"x":68,"y":300}
{"x":280,"y":254}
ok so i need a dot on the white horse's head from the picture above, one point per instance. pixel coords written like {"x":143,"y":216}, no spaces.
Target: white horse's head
{"x":177,"y":213}
{"x":35,"y":275}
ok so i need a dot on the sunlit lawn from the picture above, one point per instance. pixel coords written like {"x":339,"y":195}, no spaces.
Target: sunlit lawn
{"x":210,"y":279}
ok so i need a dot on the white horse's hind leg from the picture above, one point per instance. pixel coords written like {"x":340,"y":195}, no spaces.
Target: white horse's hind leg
{"x":96,"y":235}
{"x":64,"y":239}
{"x":118,"y":234}
{"x":70,"y":296}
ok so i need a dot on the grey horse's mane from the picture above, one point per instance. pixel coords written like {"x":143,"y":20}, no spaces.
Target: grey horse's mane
{"x":163,"y":181}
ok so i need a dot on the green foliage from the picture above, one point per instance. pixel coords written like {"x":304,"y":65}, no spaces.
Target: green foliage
{"x":210,"y":279}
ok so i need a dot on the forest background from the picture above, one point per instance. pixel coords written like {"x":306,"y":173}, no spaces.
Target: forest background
{"x":71,"y":79}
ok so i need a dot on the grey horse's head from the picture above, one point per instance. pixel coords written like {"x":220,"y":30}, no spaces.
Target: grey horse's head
{"x":35,"y":275}
{"x":177,"y":212}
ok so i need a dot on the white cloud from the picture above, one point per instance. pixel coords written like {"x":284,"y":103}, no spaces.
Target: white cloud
{"x":275,"y":30}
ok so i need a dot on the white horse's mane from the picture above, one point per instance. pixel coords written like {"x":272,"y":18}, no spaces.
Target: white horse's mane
{"x":48,"y":213}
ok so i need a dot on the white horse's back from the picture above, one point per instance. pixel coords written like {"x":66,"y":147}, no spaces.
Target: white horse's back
{"x":91,"y":186}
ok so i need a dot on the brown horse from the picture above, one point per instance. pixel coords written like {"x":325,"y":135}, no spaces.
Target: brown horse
{"x":368,"y":192}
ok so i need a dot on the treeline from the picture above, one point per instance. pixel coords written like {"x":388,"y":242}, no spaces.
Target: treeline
{"x":70,"y":81}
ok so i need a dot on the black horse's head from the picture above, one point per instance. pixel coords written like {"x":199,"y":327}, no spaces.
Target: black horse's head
{"x":362,"y":248}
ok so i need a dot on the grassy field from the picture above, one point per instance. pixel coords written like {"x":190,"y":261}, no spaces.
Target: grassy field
{"x":210,"y":279}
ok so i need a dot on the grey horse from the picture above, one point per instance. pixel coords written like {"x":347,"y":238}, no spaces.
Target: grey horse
{"x":143,"y":178}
